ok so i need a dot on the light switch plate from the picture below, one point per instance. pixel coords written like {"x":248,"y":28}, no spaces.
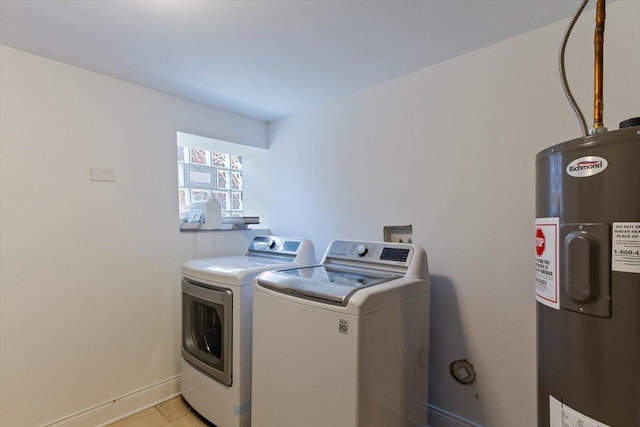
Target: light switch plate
{"x":106,"y":175}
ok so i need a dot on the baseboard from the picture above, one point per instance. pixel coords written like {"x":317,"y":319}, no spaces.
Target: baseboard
{"x":131,"y":403}
{"x":123,"y":406}
{"x":441,"y":418}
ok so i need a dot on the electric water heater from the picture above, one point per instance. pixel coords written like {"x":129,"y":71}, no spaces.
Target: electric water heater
{"x":588,"y":281}
{"x":587,"y":266}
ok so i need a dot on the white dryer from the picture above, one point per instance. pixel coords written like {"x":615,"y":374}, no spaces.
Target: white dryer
{"x":344,"y":343}
{"x":217,"y":296}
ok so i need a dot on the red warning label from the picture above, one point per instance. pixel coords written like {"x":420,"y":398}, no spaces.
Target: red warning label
{"x":539,"y":241}
{"x":547,"y":285}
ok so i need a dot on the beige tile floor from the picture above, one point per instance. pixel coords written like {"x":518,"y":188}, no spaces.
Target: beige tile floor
{"x":172,"y":413}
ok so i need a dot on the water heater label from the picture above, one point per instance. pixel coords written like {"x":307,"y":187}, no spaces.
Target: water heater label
{"x":587,"y":166}
{"x":563,"y":416}
{"x":625,"y":247}
{"x":547,"y":244}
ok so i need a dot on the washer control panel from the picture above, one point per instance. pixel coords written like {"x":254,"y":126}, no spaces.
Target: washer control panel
{"x":371,"y":252}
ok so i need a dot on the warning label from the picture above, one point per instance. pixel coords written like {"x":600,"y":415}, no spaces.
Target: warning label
{"x":563,"y":416}
{"x":625,"y":247}
{"x":547,"y":285}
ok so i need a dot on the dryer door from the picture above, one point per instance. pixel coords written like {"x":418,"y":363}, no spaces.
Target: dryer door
{"x":207,"y":329}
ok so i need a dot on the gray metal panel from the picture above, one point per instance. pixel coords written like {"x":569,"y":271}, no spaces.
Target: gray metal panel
{"x":584,"y":255}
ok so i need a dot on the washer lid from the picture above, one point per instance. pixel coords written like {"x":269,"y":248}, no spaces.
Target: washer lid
{"x":329,"y":284}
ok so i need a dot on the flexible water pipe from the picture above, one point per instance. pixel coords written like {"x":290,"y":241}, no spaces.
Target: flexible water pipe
{"x":563,"y":74}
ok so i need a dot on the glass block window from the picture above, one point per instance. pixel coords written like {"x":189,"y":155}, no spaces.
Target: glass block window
{"x":203,"y":174}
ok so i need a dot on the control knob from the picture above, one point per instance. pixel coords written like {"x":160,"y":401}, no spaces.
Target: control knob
{"x":271,"y":244}
{"x":362,"y":250}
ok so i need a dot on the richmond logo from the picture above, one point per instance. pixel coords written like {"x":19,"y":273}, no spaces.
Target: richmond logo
{"x":586,"y":166}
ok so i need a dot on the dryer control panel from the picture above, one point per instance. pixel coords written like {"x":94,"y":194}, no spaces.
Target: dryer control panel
{"x":276,"y":245}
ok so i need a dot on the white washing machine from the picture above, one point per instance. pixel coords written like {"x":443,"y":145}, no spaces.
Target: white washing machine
{"x":217,"y":296}
{"x":344,"y":343}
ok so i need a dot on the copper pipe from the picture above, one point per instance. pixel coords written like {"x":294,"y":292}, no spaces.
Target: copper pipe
{"x":598,"y":71}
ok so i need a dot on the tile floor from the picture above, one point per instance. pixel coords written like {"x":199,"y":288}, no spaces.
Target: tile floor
{"x":172,"y":413}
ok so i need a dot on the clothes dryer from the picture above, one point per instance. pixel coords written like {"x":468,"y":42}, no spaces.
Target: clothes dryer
{"x":344,"y":343}
{"x":217,"y":296}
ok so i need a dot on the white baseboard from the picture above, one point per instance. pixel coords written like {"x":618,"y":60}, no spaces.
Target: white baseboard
{"x":441,"y":418}
{"x":139,"y":400}
{"x":122,"y":406}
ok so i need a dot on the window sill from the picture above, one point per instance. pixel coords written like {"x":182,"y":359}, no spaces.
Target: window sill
{"x":217,"y":230}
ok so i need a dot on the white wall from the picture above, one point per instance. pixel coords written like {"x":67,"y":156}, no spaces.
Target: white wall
{"x":90,"y":296}
{"x":451,"y":150}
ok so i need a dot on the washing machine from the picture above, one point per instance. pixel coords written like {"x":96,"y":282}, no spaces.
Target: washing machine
{"x":344,"y":343}
{"x":217,"y":296}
